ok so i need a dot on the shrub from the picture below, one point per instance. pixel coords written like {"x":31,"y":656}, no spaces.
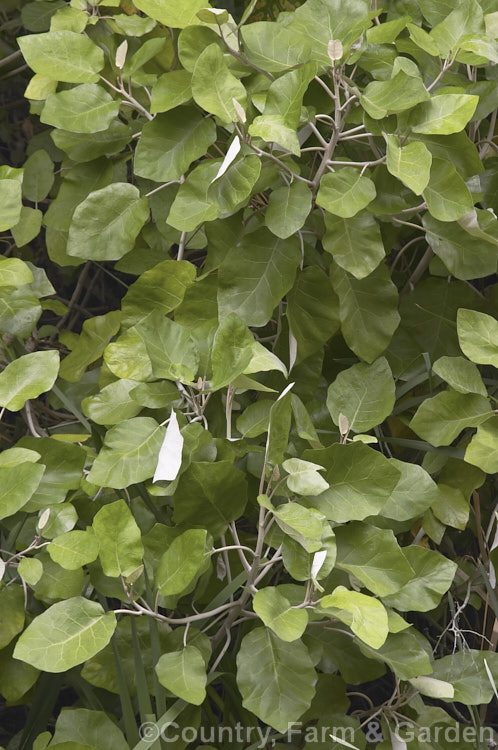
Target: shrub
{"x":247,"y":305}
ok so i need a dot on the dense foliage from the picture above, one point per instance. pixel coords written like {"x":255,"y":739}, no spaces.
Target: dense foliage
{"x":249,"y":344}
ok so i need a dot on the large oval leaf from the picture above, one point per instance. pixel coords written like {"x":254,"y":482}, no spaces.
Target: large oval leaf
{"x":184,"y":673}
{"x":63,"y":56}
{"x":129,"y":454}
{"x":118,"y":535}
{"x":84,"y":109}
{"x":66,"y":634}
{"x":27,"y":377}
{"x":105,"y":226}
{"x":281,"y":689}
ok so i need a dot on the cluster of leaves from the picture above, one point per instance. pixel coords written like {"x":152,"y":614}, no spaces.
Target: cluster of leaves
{"x":261,"y":490}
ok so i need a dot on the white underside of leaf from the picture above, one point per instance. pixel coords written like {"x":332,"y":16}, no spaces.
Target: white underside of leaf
{"x":170,"y":455}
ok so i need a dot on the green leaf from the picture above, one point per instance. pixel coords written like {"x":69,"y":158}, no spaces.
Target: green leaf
{"x":387,"y":32}
{"x":366,"y":616}
{"x":213,"y":15}
{"x":62,"y":518}
{"x":304,"y":426}
{"x":312,"y":311}
{"x":433,"y":688}
{"x":71,"y":19}
{"x":18,"y":484}
{"x":19,"y":311}
{"x":65,"y":635}
{"x":14,"y":456}
{"x":285,"y":95}
{"x":171,"y":90}
{"x":482,"y":450}
{"x":74,"y":549}
{"x":272,"y":692}
{"x":447,"y":196}
{"x":273,"y":47}
{"x":320,"y":22}
{"x":373,"y":556}
{"x":82,"y":148}
{"x":106,"y":224}
{"x":90,"y":728}
{"x":90,"y":344}
{"x":345,"y":192}
{"x":184,"y":673}
{"x":273,"y":129}
{"x":304,"y":477}
{"x":170,"y":347}
{"x":364,"y":394}
{"x":481,"y":224}
{"x":422,"y":39}
{"x":263,"y":360}
{"x":444,"y":114}
{"x":279,"y":428}
{"x":232,"y":190}
{"x":170,"y":13}
{"x":155,"y":395}
{"x":287,"y":622}
{"x":405,"y":653}
{"x":481,"y":46}
{"x":28,"y":227}
{"x":256,"y":275}
{"x":36,"y":17}
{"x":88,"y":108}
{"x":464,"y":255}
{"x":367,"y":309}
{"x":463,"y":20}
{"x":194,"y":203}
{"x":127,"y":357}
{"x":11,"y":613}
{"x":63,"y":56}
{"x":16,"y":678}
{"x":10,"y":210}
{"x":255,"y":419}
{"x":465,"y":670}
{"x":181,"y":562}
{"x":305,"y":526}
{"x":460,"y":374}
{"x":38,"y":176}
{"x":113,"y":404}
{"x":210,"y":495}
{"x":403,"y":503}
{"x":458,"y":148}
{"x":402,"y":92}
{"x":411,"y":164}
{"x":355,"y":243}
{"x":478,"y":336}
{"x":171,"y":142}
{"x":361,"y":480}
{"x":232,"y":351}
{"x":301,"y":564}
{"x":64,"y":470}
{"x":214,"y":86}
{"x":27,"y":377}
{"x":433,"y":575}
{"x":120,"y":546}
{"x":192,"y":41}
{"x":288,"y":208}
{"x":40,"y":87}
{"x":14,"y":272}
{"x":30,"y":569}
{"x":440,"y":419}
{"x":160,"y":288}
{"x":129,"y":454}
